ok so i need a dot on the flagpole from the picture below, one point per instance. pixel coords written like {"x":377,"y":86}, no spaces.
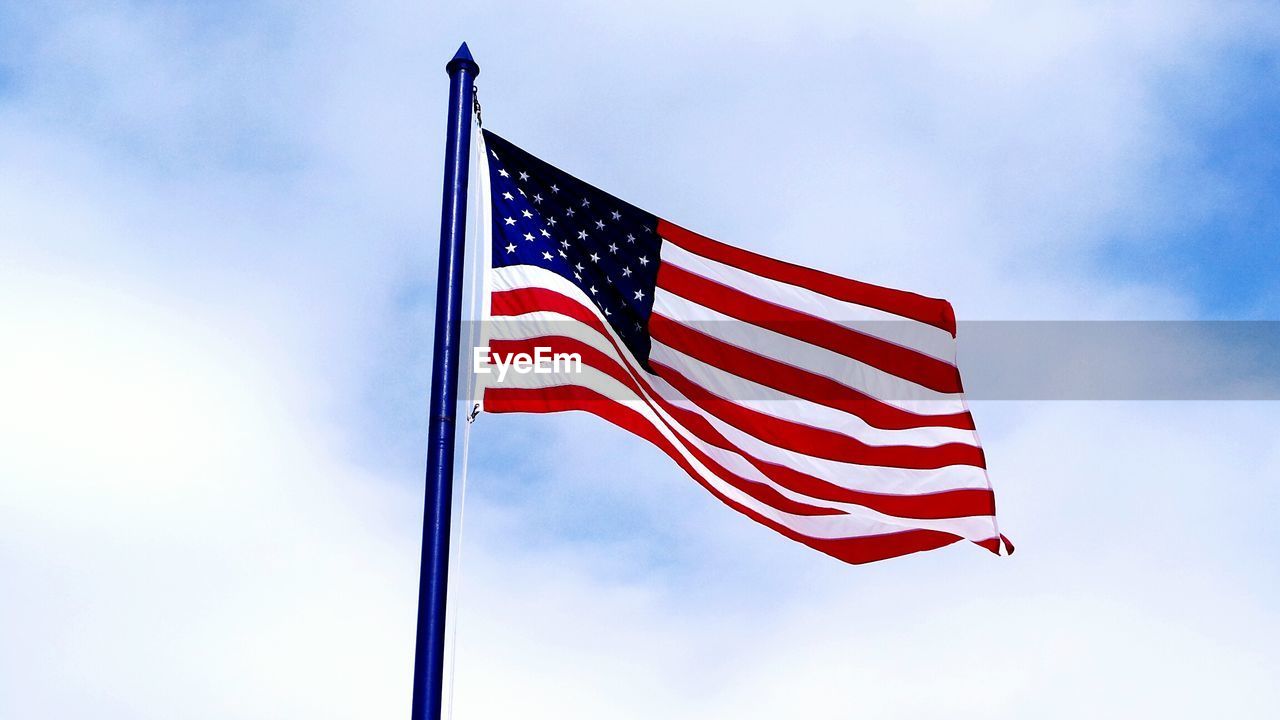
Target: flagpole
{"x":428,"y":659}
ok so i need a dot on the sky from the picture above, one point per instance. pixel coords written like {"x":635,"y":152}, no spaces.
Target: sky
{"x":218,"y":225}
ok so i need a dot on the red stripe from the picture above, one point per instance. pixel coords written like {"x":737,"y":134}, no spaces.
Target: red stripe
{"x":937,"y":505}
{"x":876,"y":352}
{"x":793,"y":380}
{"x":593,"y":357}
{"x":941,"y":505}
{"x":819,"y":442}
{"x":577,"y":397}
{"x":527,"y":300}
{"x":963,"y":502}
{"x":928,"y":310}
{"x":856,"y":550}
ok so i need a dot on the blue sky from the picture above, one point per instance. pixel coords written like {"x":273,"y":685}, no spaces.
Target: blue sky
{"x":1224,"y":250}
{"x":217,"y":233}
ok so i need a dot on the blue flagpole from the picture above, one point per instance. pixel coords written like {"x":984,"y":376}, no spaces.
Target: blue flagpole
{"x":428,"y":659}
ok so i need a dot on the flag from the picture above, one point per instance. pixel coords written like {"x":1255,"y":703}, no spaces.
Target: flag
{"x":827,"y":409}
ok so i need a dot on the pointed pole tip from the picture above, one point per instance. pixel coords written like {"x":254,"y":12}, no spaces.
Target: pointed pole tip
{"x":462,"y":59}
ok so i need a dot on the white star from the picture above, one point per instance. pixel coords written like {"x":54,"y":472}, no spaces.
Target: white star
{"x":526,"y":213}
{"x":644,"y":261}
{"x":593,"y":290}
{"x":595,"y":258}
{"x":626,"y":272}
{"x":582,"y":234}
{"x":555,"y":189}
{"x":569,"y":212}
{"x":551,"y":221}
{"x":599,"y":224}
{"x":511,"y":221}
{"x":578,"y":267}
{"x":577,"y":276}
{"x":631,"y":238}
{"x":544,"y":232}
{"x":616,"y":215}
{"x":564,"y":244}
{"x":562,"y":254}
{"x":521,"y":191}
{"x":586,"y":202}
{"x":511,"y":248}
{"x":537,"y":199}
{"x":607,"y":313}
{"x":508,"y":196}
{"x":639,"y":294}
{"x":547,"y":256}
{"x":648,"y":229}
{"x":494,"y":153}
{"x":613,"y":248}
{"x":524,"y":175}
{"x":504,"y":173}
{"x":528,"y":236}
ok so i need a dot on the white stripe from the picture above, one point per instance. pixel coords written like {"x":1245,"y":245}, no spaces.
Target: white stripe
{"x":853,"y":476}
{"x":867,"y":478}
{"x":921,"y":337}
{"x":857,"y":521}
{"x":783,"y":406}
{"x":850,"y":475}
{"x":886,"y":387}
{"x":740,"y":390}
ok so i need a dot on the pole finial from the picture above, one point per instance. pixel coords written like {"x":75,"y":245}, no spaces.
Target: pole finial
{"x":462,"y":59}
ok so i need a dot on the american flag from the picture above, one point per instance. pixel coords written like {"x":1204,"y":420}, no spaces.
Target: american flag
{"x":827,"y":409}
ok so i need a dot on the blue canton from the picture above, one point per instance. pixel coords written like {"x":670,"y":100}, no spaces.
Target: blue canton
{"x":545,"y":217}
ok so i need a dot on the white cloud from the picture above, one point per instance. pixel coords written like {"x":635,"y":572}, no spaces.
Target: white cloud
{"x":179,"y":539}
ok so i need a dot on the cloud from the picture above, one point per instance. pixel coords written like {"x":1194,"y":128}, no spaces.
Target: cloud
{"x":1137,"y":589}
